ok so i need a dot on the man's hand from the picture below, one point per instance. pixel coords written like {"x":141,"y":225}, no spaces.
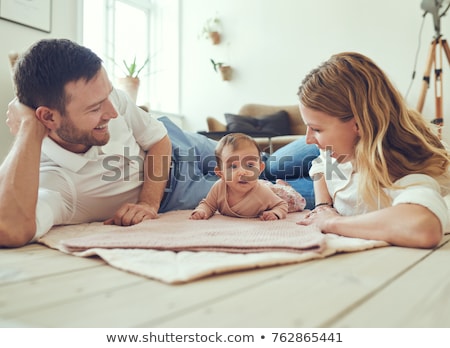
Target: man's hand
{"x":18,"y":113}
{"x":132,"y":214}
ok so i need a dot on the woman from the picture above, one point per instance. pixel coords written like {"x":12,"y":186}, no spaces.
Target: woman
{"x":383,"y":172}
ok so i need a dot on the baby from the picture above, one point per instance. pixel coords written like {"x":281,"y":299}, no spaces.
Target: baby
{"x":239,"y":192}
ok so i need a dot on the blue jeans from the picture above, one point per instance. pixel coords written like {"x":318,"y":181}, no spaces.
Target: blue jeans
{"x":192,"y":173}
{"x":292,"y":163}
{"x":193,"y":162}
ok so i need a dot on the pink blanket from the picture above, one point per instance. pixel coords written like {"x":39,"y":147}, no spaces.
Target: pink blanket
{"x":174,"y":231}
{"x":174,"y":249}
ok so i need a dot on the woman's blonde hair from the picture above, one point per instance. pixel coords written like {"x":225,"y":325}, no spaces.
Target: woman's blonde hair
{"x":394,"y":140}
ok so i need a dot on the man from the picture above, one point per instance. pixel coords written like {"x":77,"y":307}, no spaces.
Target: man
{"x":84,"y":152}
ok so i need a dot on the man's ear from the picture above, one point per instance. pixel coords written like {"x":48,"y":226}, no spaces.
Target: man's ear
{"x":47,"y":116}
{"x":218,"y":172}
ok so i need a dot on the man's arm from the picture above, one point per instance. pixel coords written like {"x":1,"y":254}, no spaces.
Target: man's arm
{"x":156,"y":173}
{"x":19,"y":177}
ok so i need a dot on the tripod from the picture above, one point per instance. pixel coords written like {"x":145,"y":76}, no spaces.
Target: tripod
{"x":435,"y":58}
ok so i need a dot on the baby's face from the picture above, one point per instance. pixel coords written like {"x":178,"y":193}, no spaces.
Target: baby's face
{"x":241,"y":167}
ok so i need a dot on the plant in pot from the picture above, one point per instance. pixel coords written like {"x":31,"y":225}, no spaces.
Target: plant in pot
{"x":13,"y":58}
{"x":225,"y":70}
{"x":130,"y":83}
{"x":211,"y":30}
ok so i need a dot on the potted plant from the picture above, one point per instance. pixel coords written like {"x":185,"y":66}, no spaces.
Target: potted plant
{"x":225,"y":70}
{"x":13,"y":58}
{"x":211,"y":30}
{"x":130,"y":83}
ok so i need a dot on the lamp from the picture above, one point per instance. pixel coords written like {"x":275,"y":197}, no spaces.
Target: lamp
{"x":434,"y":7}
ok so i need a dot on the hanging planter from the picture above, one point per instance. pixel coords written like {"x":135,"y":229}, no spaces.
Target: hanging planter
{"x":225,"y":70}
{"x":215,"y":37}
{"x":211,"y":30}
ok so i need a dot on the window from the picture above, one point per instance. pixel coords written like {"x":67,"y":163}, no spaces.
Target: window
{"x":120,"y":30}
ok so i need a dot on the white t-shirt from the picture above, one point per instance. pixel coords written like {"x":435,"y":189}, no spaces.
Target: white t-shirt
{"x":342,"y":185}
{"x":76,"y":188}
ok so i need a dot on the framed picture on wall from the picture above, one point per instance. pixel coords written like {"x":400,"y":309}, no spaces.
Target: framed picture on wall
{"x":35,"y":14}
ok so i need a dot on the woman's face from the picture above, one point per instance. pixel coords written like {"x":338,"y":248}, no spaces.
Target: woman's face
{"x":331,"y":133}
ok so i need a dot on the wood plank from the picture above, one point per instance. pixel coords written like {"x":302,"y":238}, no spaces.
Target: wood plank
{"x":35,"y":294}
{"x":29,"y":263}
{"x":417,"y":298}
{"x":144,"y":303}
{"x":26,"y":248}
{"x":310,"y":296}
{"x":28,"y":252}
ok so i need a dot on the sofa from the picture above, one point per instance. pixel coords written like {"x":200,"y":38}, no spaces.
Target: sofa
{"x":295,"y":125}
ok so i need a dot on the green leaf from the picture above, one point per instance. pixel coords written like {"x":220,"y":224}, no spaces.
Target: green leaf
{"x":132,"y":69}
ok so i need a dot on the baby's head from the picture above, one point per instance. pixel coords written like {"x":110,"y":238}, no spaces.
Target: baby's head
{"x":238,"y":159}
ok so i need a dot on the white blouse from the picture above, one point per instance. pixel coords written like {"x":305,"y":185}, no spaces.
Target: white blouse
{"x":342,"y":185}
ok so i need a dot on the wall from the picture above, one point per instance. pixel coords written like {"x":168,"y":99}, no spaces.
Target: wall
{"x":273,"y":44}
{"x":15,"y":37}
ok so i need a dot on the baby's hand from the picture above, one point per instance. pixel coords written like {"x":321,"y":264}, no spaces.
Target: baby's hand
{"x":198,"y":215}
{"x":268,"y":216}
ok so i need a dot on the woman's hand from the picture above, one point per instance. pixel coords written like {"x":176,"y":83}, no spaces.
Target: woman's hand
{"x":320,"y":217}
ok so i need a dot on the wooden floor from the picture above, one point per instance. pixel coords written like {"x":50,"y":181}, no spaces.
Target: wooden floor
{"x":384,"y":287}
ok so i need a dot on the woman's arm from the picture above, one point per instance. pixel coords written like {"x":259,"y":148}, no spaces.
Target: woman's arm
{"x":407,"y":225}
{"x":321,"y":194}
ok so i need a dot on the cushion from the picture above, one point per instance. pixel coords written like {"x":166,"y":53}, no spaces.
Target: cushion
{"x":296,"y":202}
{"x":274,"y":124}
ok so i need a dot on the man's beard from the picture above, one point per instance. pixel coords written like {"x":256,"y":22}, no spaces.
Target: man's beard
{"x":70,"y":134}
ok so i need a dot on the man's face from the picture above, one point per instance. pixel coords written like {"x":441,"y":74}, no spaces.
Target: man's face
{"x":88,"y":111}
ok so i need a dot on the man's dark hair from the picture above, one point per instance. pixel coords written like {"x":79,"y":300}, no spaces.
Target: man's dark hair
{"x":41,"y":74}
